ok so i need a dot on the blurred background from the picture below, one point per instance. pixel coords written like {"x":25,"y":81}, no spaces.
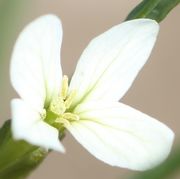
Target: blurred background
{"x":155,"y":91}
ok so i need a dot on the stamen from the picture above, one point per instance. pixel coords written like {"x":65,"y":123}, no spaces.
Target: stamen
{"x":63,"y":121}
{"x":57,"y":106}
{"x":71,"y":117}
{"x":69,"y":99}
{"x":64,"y":88}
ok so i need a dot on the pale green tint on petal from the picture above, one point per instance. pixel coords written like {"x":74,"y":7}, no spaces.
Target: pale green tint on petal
{"x":111,"y":61}
{"x":28,"y":125}
{"x":121,"y":136}
{"x":35,"y":66}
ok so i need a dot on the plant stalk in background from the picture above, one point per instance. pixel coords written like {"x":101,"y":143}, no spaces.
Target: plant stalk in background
{"x":153,"y":9}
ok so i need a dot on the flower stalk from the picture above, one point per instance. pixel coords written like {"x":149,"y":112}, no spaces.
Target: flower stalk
{"x":18,"y":158}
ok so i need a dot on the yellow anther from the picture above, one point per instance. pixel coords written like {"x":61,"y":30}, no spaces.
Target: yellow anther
{"x":69,"y":99}
{"x":60,"y":104}
{"x":64,"y":87}
{"x":71,"y":117}
{"x":63,"y":121}
{"x":57,"y":106}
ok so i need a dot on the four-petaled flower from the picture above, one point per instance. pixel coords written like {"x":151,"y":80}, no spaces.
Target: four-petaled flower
{"x":88,"y":106}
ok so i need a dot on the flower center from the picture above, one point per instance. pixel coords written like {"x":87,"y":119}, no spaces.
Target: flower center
{"x":58,"y":114}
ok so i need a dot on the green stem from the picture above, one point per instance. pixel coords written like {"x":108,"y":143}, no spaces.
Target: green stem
{"x":17,"y":158}
{"x":153,"y":9}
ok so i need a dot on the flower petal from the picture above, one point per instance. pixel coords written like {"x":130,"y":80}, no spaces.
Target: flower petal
{"x":111,"y":61}
{"x":121,"y":136}
{"x":35,"y":67}
{"x":27,"y":125}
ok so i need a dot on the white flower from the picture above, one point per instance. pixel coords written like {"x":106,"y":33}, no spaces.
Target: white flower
{"x":88,"y":108}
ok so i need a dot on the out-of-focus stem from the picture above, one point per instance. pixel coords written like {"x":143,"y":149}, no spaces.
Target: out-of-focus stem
{"x":17,"y":158}
{"x":153,"y":9}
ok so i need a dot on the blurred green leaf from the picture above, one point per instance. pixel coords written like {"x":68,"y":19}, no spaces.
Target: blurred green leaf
{"x":153,"y":9}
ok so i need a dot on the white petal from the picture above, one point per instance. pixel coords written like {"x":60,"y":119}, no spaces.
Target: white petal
{"x":35,"y":67}
{"x":121,"y":136}
{"x":27,"y":125}
{"x":111,"y":61}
